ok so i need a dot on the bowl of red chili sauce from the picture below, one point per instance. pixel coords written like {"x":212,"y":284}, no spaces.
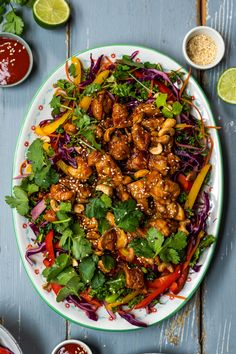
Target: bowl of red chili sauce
{"x":72,"y":346}
{"x":16,"y":60}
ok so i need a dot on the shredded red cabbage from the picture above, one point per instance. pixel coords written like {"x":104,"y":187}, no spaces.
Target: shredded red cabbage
{"x":32,"y":251}
{"x":89,"y":309}
{"x":134,"y":54}
{"x":129,"y":317}
{"x":38,"y":209}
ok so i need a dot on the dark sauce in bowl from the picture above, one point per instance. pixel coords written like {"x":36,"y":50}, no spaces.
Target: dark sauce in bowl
{"x":14,"y":61}
{"x":72,"y":348}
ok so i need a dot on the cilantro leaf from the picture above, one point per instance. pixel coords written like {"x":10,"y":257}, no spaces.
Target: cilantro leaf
{"x":161,"y":100}
{"x":36,"y":154}
{"x":108,"y":262}
{"x":103,"y":226}
{"x":73,"y":287}
{"x":155,"y":240}
{"x":206,"y":242}
{"x":127,"y":216}
{"x":55,"y":102}
{"x":19,"y":201}
{"x":65,"y":276}
{"x":89,"y":135}
{"x":167,"y":113}
{"x":170,"y":255}
{"x":98,"y":207}
{"x":13,"y":24}
{"x":66,"y":234}
{"x":91,"y":89}
{"x":141,"y":248}
{"x":72,"y":70}
{"x":61,"y":262}
{"x":170,"y":251}
{"x":98,"y":280}
{"x":65,"y":85}
{"x":65,"y":206}
{"x":81,"y":247}
{"x":87,"y":269}
{"x":177,"y":108}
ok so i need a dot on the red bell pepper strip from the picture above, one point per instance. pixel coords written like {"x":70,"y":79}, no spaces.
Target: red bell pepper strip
{"x":164,"y":89}
{"x":185,"y":184}
{"x":4,"y":351}
{"x":191,"y":250}
{"x":85,"y":295}
{"x":161,"y":285}
{"x":181,"y":281}
{"x":56,"y":287}
{"x":49,"y":247}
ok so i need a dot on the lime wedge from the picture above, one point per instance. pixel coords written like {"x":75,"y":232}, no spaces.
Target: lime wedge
{"x":226,"y":86}
{"x":51,"y":13}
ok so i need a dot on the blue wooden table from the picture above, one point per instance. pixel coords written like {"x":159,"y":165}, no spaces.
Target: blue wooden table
{"x":207,"y":325}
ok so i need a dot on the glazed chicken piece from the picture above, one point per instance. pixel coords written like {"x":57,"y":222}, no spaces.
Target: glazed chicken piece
{"x":89,"y":223}
{"x":100,"y":105}
{"x":82,"y":191}
{"x":153,"y":123}
{"x":60,"y":193}
{"x":94,"y":157}
{"x":107,"y":168}
{"x":141,"y":137}
{"x":120,"y":116}
{"x":149,"y":109}
{"x":108,"y":240}
{"x":137,"y":161}
{"x":165,"y":226}
{"x":165,"y":189}
{"x":119,"y":146}
{"x":140,"y":192}
{"x":122,"y":192}
{"x":83,"y":171}
{"x":166,"y":209}
{"x":164,"y":164}
{"x":50,"y":215}
{"x":134,"y":278}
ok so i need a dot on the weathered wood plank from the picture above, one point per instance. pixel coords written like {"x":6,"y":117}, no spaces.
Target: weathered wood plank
{"x":219,"y":312}
{"x":153,"y":24}
{"x":31,"y":321}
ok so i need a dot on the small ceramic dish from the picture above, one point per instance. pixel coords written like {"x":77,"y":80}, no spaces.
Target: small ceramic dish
{"x":87,"y":350}
{"x":215,"y":36}
{"x":8,"y":341}
{"x":7,"y":65}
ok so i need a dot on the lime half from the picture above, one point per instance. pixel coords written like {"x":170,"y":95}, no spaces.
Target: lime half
{"x":51,"y":13}
{"x":226,"y":86}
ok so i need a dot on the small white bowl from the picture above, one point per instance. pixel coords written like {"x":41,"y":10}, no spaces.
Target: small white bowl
{"x":72,"y":341}
{"x":27,"y":47}
{"x":216,"y":37}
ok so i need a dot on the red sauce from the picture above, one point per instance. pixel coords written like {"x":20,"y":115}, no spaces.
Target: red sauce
{"x":14,"y":61}
{"x":72,"y":348}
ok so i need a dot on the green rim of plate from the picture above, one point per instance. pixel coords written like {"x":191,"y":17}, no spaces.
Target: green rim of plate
{"x":220,"y":194}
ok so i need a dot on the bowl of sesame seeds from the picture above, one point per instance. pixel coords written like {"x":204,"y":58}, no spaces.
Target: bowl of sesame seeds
{"x":16,"y":60}
{"x":203,"y":47}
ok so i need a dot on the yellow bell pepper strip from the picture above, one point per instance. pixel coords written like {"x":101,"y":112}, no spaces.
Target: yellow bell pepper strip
{"x":46,"y":146}
{"x":100,"y":78}
{"x":125,"y":300}
{"x":63,"y":166}
{"x":77,"y":65}
{"x":197,"y":184}
{"x":51,"y":127}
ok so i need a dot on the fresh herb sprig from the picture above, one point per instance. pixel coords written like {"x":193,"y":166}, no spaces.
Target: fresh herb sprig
{"x":12,"y":20}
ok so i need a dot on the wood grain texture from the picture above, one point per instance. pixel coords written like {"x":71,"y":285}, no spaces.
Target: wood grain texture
{"x":219,"y":311}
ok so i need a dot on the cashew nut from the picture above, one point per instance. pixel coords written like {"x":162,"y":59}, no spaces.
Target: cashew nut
{"x":169,"y":131}
{"x":169,"y":123}
{"x":54,"y":205}
{"x":164,"y":139}
{"x":45,"y":139}
{"x":157,"y":150}
{"x":180,"y":214}
{"x":78,"y":208}
{"x":107,"y":134}
{"x":104,"y":189}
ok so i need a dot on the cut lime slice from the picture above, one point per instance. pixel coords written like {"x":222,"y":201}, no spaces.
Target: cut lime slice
{"x":51,"y":13}
{"x":226,"y":86}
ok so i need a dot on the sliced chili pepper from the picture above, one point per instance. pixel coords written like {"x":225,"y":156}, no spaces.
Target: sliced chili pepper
{"x":185,"y":184}
{"x":56,"y":287}
{"x":49,"y":247}
{"x":161,"y":285}
{"x":46,"y":262}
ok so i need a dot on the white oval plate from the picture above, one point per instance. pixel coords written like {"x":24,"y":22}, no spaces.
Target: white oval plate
{"x":7,"y":340}
{"x":39,"y":110}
